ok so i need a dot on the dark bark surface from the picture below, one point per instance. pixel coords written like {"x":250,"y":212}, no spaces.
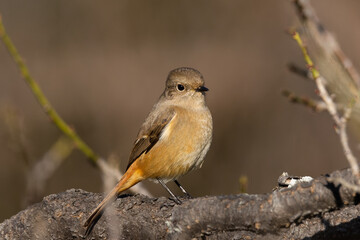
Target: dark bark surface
{"x":315,"y":210}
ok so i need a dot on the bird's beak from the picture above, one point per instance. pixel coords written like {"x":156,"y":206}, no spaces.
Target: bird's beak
{"x":202,"y":89}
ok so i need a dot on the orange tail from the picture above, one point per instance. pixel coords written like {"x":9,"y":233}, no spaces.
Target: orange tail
{"x":131,"y":177}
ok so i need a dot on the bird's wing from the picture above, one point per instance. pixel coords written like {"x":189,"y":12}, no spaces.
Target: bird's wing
{"x":150,"y":134}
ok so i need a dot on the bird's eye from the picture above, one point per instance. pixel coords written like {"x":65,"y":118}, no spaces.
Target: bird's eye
{"x":180,"y":87}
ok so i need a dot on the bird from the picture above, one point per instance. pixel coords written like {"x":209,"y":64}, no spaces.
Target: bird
{"x":172,"y":141}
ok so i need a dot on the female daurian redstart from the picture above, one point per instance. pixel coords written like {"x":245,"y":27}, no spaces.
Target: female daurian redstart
{"x":172,"y":141}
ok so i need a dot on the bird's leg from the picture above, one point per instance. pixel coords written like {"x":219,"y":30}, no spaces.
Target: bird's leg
{"x":183,"y":189}
{"x":176,"y":199}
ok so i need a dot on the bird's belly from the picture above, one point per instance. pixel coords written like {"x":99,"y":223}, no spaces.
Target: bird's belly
{"x":182,"y":150}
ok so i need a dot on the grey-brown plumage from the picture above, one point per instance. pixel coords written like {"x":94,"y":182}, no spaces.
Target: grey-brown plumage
{"x":161,"y":113}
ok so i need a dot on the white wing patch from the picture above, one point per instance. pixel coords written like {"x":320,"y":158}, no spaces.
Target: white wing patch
{"x":167,"y":130}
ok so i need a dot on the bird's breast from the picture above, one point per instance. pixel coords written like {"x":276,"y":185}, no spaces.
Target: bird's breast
{"x":182,"y":146}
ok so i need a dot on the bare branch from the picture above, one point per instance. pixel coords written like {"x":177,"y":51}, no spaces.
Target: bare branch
{"x":331,"y":107}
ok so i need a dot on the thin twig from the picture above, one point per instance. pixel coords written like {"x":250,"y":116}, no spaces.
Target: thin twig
{"x":315,"y":105}
{"x":44,"y":102}
{"x":299,"y":71}
{"x":54,"y":116}
{"x":331,"y":107}
{"x":343,"y":182}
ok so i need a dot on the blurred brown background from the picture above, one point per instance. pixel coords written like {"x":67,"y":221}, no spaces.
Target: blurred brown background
{"x":103,"y":65}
